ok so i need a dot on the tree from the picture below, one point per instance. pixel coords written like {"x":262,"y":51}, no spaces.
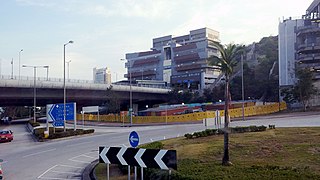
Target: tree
{"x":249,"y":84}
{"x":266,"y":73}
{"x":228,"y":59}
{"x":177,"y":96}
{"x":304,"y":89}
{"x":113,"y":102}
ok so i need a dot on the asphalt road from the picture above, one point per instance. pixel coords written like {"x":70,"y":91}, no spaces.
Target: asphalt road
{"x":66,"y":158}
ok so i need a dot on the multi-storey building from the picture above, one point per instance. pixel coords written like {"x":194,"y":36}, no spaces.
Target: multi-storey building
{"x":180,"y":61}
{"x":308,"y":40}
{"x":287,"y":51}
{"x":299,"y":47}
{"x":102,"y":75}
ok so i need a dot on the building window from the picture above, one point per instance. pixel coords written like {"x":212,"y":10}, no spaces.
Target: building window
{"x":167,"y":53}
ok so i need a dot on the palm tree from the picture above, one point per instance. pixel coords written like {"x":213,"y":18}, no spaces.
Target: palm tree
{"x":226,"y":61}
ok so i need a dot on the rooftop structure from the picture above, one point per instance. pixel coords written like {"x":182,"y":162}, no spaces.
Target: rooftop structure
{"x":179,"y":61}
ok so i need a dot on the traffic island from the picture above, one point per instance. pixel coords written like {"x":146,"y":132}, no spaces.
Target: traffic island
{"x":41,"y":134}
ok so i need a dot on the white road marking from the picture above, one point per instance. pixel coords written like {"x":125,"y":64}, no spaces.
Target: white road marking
{"x":83,"y":155}
{"x":88,"y":156}
{"x":57,"y":178}
{"x":79,"y":144}
{"x":70,"y":166}
{"x":39,"y":153}
{"x":63,"y":172}
{"x":47,"y":171}
{"x":21,"y":134}
{"x":79,"y":161}
{"x":94,"y":153}
{"x":4,"y":162}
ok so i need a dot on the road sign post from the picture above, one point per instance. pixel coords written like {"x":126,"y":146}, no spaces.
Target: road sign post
{"x":146,"y":158}
{"x":134,"y":139}
{"x":55,"y":114}
{"x":134,"y":142}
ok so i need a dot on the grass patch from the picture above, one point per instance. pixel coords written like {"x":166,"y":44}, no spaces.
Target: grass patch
{"x":282,"y":153}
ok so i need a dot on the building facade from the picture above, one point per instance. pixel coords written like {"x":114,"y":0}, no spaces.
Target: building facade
{"x":287,"y":51}
{"x":179,"y":61}
{"x":102,"y":76}
{"x":299,"y":47}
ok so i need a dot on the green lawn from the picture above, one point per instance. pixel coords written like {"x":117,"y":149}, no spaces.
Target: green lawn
{"x":282,"y":153}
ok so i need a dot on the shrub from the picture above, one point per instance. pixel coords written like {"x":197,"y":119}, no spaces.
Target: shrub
{"x":272,"y":126}
{"x":33,"y":124}
{"x":153,"y":145}
{"x":88,"y":131}
{"x":238,"y":129}
{"x":188,"y":136}
{"x":59,"y":132}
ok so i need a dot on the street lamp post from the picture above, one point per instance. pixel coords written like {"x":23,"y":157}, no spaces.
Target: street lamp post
{"x":47,"y":73}
{"x":19,"y":62}
{"x":12,"y":68}
{"x":34,"y":88}
{"x":142,"y":74}
{"x":68,"y":62}
{"x":0,"y":68}
{"x":64,"y":84}
{"x":130,"y":108}
{"x":242,"y":87}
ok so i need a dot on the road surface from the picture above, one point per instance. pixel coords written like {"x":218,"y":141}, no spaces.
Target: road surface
{"x":67,"y":158}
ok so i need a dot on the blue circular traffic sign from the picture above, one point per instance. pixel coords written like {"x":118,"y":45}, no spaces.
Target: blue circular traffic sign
{"x":134,"y":139}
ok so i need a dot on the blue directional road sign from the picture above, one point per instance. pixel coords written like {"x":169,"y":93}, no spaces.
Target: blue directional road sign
{"x":134,"y":139}
{"x":55,"y":113}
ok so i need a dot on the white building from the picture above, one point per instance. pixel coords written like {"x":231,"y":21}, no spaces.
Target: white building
{"x":287,"y":51}
{"x":102,"y":75}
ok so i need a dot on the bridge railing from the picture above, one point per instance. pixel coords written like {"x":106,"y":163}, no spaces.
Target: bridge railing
{"x":29,"y":78}
{"x":50,"y":79}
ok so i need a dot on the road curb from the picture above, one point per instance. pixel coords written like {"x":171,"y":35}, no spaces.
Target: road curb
{"x":88,"y":172}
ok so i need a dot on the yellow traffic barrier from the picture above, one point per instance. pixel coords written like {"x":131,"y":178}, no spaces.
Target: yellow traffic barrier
{"x":249,"y":110}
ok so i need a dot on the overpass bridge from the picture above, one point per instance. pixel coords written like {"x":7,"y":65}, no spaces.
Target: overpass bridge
{"x":19,"y":92}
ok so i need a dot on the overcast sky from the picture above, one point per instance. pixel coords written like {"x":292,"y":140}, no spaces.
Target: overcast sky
{"x":104,"y":30}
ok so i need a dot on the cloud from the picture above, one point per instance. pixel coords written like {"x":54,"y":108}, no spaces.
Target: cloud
{"x":40,"y":3}
{"x":123,"y":8}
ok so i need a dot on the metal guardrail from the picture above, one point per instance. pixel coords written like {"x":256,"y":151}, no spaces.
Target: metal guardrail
{"x":73,"y":82}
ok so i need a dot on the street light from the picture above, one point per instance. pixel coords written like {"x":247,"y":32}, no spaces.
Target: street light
{"x":68,"y":62}
{"x":12,"y":68}
{"x":242,"y":87}
{"x":47,"y":73}
{"x":0,"y":68}
{"x":130,"y":108}
{"x":64,"y":84}
{"x":142,"y":74}
{"x":34,"y":87}
{"x":19,"y":61}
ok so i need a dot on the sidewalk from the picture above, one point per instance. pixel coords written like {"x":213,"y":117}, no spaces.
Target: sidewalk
{"x":277,"y":115}
{"x":116,"y":124}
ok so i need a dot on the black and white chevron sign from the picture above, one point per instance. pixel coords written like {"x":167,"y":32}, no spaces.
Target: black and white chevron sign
{"x":147,"y":158}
